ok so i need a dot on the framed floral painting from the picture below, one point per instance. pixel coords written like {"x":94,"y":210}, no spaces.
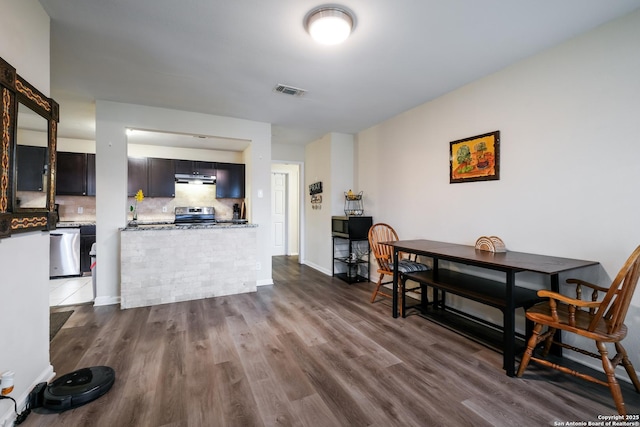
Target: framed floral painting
{"x":475,"y":159}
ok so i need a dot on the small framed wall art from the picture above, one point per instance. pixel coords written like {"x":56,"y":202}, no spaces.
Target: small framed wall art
{"x":475,"y":159}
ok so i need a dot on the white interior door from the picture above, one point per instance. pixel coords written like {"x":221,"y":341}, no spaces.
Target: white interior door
{"x":278,"y":213}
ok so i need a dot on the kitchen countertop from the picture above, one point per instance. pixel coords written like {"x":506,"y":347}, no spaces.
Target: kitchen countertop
{"x":73,"y":224}
{"x":171,"y":226}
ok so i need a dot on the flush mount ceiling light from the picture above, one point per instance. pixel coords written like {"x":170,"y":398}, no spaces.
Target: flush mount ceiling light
{"x":329,"y":24}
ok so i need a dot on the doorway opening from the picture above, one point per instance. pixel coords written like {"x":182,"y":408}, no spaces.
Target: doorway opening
{"x":285,"y":209}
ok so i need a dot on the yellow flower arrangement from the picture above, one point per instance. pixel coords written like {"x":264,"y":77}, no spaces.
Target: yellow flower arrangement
{"x":134,"y":208}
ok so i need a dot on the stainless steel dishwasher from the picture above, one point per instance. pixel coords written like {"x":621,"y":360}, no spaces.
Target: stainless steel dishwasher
{"x":64,"y":259}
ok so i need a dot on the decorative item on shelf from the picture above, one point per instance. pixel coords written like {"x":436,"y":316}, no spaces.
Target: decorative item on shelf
{"x":352,"y":271}
{"x":353,"y":204}
{"x":134,"y":208}
{"x":490,"y":244}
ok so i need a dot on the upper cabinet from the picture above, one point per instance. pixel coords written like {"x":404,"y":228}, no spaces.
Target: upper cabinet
{"x":137,"y":176}
{"x":192,"y":167}
{"x":162,"y":181}
{"x":76,"y":174}
{"x":230,"y":180}
{"x":31,"y":168}
{"x":91,"y":174}
{"x":155,"y":177}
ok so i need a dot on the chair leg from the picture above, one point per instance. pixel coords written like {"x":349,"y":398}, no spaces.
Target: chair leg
{"x":375,"y":292}
{"x":548,"y":341}
{"x":531,"y":344}
{"x":614,"y":386}
{"x":628,"y":366}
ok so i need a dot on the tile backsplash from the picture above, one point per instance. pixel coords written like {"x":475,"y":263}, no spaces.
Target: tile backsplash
{"x":151,"y":208}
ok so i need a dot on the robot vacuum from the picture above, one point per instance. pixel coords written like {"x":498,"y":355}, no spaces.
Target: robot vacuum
{"x":78,"y":387}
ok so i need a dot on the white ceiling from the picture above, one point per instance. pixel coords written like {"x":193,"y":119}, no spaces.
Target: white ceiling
{"x":225,"y":57}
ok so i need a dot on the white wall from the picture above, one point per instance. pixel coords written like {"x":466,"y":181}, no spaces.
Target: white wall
{"x":287,"y":152}
{"x":317,"y":222}
{"x":568,"y":169}
{"x":342,"y":173}
{"x":24,"y":258}
{"x":111,"y":178}
{"x":330,"y":160}
{"x":162,"y":152}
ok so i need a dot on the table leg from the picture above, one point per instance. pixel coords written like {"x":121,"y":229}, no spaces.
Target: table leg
{"x":394,"y":297}
{"x":509,"y":327}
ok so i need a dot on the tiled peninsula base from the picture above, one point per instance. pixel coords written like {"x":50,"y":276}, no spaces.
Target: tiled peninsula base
{"x":169,"y":264}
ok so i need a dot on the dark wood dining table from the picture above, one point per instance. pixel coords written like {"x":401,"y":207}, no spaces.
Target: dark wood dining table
{"x":508,"y":262}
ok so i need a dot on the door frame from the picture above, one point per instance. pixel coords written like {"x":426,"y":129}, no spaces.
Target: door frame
{"x":295,"y":214}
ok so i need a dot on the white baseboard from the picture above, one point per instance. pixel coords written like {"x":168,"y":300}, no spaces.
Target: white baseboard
{"x":264,"y":282}
{"x":9,"y":416}
{"x":317,"y":267}
{"x":106,"y":301}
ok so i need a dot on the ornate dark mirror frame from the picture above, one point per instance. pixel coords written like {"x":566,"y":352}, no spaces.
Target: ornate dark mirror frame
{"x":13,"y":90}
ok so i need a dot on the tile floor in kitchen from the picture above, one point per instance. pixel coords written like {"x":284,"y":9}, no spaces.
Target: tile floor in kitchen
{"x":70,"y":290}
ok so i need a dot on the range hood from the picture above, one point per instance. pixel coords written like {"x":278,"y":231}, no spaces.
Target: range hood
{"x":187,"y":178}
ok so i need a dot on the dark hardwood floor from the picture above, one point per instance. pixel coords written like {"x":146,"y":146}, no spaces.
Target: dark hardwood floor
{"x":308,"y":351}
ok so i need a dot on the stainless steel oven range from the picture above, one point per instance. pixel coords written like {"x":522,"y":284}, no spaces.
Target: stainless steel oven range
{"x":195,"y":215}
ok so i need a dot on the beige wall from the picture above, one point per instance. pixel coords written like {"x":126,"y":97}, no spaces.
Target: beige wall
{"x":569,"y":124}
{"x":24,"y":258}
{"x":329,"y":160}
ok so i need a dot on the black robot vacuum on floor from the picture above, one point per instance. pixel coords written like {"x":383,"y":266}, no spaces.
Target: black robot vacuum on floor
{"x":78,"y":388}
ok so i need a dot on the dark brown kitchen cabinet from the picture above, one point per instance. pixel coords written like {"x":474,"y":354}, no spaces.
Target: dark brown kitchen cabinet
{"x":162,"y":181}
{"x":75,"y":174}
{"x":91,"y":174}
{"x":194,"y":167}
{"x":87,"y":238}
{"x":137,"y":176}
{"x":230,"y":180}
{"x":31,"y":165}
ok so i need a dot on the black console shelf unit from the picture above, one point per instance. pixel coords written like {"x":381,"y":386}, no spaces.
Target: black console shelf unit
{"x":352,"y":256}
{"x":351,"y":259}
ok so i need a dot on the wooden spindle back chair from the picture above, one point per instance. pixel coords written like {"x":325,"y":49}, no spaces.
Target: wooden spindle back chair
{"x":378,"y":234}
{"x":599,"y":320}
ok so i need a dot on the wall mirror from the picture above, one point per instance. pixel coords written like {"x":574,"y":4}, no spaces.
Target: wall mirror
{"x":31,"y":155}
{"x":27,"y":155}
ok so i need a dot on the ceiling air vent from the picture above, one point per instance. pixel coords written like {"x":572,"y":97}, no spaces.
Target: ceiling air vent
{"x":289,"y":90}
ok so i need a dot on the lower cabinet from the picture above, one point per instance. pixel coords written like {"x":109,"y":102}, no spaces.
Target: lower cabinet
{"x":87,"y":238}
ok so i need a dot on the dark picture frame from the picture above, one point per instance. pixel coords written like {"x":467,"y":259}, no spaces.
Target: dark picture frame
{"x":15,"y":90}
{"x":476,"y":158}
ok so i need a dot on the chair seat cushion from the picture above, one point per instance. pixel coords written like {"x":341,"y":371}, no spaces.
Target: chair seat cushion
{"x":541,"y":313}
{"x":406,"y":266}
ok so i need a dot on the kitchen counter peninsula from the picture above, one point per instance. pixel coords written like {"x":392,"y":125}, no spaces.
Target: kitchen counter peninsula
{"x":163,"y":263}
{"x":141,"y":226}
